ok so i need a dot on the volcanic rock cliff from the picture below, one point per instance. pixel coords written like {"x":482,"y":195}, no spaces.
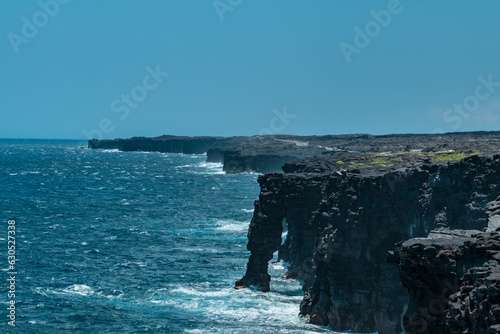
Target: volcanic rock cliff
{"x":453,"y":277}
{"x":346,"y":201}
{"x":342,"y":223}
{"x":267,"y":154}
{"x":263,"y":154}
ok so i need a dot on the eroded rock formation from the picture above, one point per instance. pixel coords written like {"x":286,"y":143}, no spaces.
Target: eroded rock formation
{"x":454,"y":282}
{"x":345,"y":201}
{"x":342,"y":224}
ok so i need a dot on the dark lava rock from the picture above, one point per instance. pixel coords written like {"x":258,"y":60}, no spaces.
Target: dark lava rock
{"x":267,"y":154}
{"x":342,"y":224}
{"x":346,"y":200}
{"x":453,"y":281}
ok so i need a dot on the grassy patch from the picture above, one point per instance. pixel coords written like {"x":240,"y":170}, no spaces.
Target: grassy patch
{"x":443,"y":157}
{"x":378,"y":161}
{"x":453,"y":156}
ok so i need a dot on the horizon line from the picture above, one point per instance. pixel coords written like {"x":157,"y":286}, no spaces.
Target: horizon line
{"x":277,"y":134}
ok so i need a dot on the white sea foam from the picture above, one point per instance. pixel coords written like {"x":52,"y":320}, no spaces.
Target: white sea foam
{"x":90,"y":188}
{"x":198,"y":292}
{"x":79,"y":289}
{"x":41,"y":291}
{"x":277,"y":265}
{"x":146,"y":152}
{"x":231,"y":225}
{"x":26,"y":172}
{"x":229,"y":306}
{"x":116,"y":294}
{"x":247,"y":210}
{"x":208,"y":168}
{"x":210,"y":164}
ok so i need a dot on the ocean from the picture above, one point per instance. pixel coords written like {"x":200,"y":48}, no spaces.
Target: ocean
{"x":131,"y":242}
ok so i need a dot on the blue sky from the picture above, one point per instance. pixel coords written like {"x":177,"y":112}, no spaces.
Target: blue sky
{"x":72,"y":69}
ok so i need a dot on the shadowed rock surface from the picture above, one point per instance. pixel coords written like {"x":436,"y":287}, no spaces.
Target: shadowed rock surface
{"x":342,"y":223}
{"x":453,"y":280}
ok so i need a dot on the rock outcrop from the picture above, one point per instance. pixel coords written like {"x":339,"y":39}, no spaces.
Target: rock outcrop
{"x":453,"y":280}
{"x":342,"y":223}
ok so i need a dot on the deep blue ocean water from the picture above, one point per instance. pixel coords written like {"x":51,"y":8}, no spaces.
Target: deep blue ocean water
{"x":132,"y":242}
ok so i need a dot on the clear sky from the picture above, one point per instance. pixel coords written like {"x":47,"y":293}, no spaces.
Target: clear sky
{"x":123,"y":68}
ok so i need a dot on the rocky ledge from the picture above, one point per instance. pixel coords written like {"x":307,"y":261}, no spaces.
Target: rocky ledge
{"x":342,"y":218}
{"x":453,"y":280}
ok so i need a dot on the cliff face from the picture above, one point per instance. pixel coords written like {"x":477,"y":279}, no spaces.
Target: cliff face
{"x":167,"y":144}
{"x":453,"y":280}
{"x":342,"y":224}
{"x":239,"y":160}
{"x":263,"y":154}
{"x":285,"y":204}
{"x":347,"y":205}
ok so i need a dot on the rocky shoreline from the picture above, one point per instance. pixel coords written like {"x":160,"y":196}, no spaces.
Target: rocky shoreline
{"x":342,"y":225}
{"x":262,"y":154}
{"x":454,"y":281}
{"x":381,"y":229}
{"x":267,"y":154}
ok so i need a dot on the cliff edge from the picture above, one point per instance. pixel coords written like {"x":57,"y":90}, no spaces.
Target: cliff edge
{"x":343,"y":217}
{"x":267,"y":154}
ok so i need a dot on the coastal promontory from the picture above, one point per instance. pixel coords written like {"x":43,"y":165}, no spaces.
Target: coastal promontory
{"x":387,"y":233}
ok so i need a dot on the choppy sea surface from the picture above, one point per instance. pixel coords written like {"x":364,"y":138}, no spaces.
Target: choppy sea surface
{"x":132,"y":242}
